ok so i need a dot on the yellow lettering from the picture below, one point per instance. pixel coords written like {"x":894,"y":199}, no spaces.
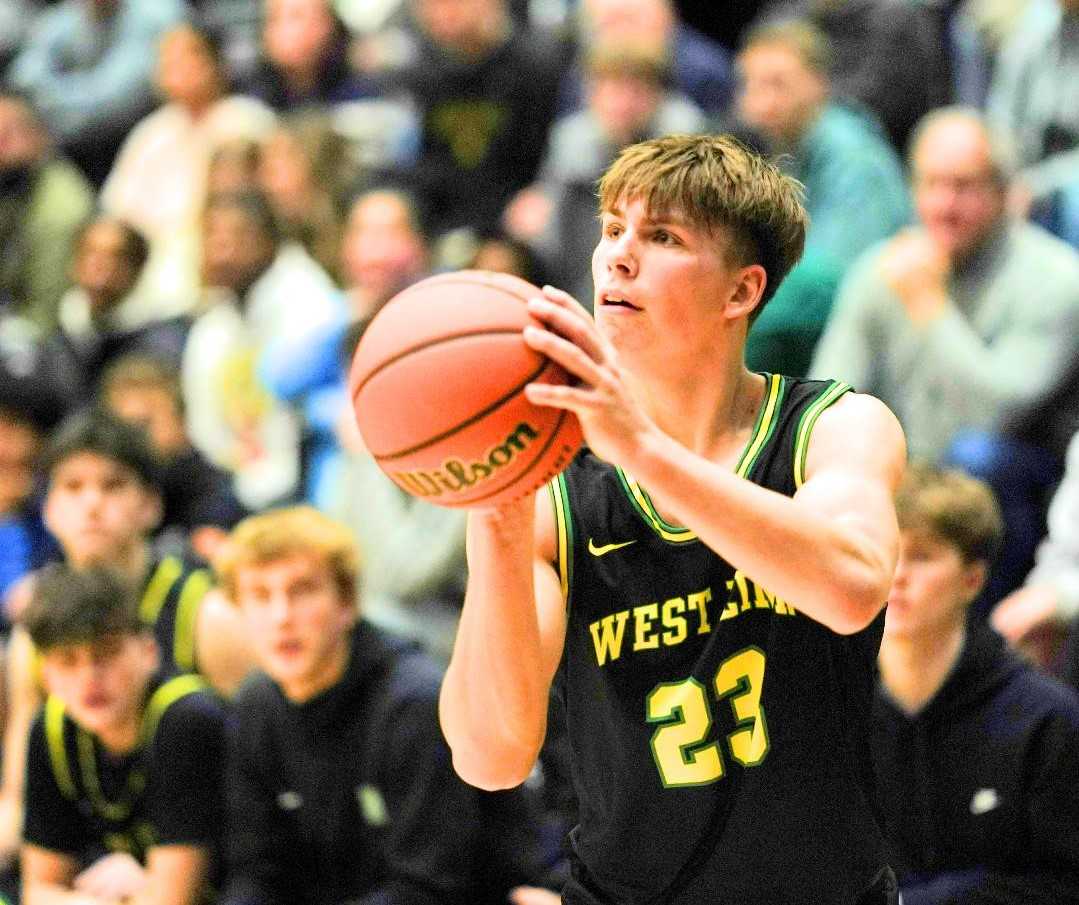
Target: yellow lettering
{"x":731,"y":609}
{"x":607,"y":634}
{"x":699,"y":601}
{"x":743,"y":590}
{"x":766,"y":599}
{"x":643,"y":617}
{"x":675,"y":624}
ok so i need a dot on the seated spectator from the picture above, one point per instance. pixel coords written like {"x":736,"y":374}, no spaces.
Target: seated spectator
{"x":125,"y":764}
{"x":87,"y":67}
{"x":24,"y":543}
{"x":233,"y":169}
{"x":199,"y":506}
{"x":1049,"y":597}
{"x":854,"y":187}
{"x":44,"y":200}
{"x":158,"y":181}
{"x":628,"y":100}
{"x":975,"y":752}
{"x":304,"y":170}
{"x":484,"y":91}
{"x":384,"y":251}
{"x":305,"y":58}
{"x":1032,"y":97}
{"x":260,"y":292}
{"x":102,"y":502}
{"x":101,"y":318}
{"x":340,"y":784}
{"x":940,"y":323}
{"x":890,"y":56}
{"x":501,"y":253}
{"x":700,"y":68}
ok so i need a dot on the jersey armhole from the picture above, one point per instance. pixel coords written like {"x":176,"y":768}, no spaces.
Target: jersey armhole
{"x":57,"y":745}
{"x":564,"y":534}
{"x":828,"y":396}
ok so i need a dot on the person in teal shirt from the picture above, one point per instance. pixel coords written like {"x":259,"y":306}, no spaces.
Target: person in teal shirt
{"x":855,"y":190}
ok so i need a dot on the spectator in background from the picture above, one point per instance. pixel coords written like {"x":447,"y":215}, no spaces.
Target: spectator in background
{"x":305,"y":58}
{"x":233,"y":169}
{"x":198,"y":503}
{"x":125,"y":765}
{"x":44,"y":200}
{"x":87,"y":67}
{"x":499,"y":252}
{"x":384,"y":250}
{"x":1035,"y":97}
{"x":700,"y":69}
{"x":854,"y":187}
{"x":974,"y":751}
{"x":944,"y":324}
{"x":260,"y":292}
{"x":102,"y":502}
{"x":890,"y":56}
{"x":484,"y":89}
{"x":628,"y":100}
{"x":340,"y":784}
{"x":1049,"y":597}
{"x":100,"y":317}
{"x":158,"y":181}
{"x":305,"y":168}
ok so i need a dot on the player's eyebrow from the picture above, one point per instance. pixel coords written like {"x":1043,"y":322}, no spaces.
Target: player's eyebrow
{"x":662,"y":218}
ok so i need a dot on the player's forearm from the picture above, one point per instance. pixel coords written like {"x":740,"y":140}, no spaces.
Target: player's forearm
{"x":493,"y":706}
{"x":827,"y":568}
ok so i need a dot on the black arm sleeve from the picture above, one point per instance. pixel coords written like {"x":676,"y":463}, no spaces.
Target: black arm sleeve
{"x":187,"y":806}
{"x":51,"y":820}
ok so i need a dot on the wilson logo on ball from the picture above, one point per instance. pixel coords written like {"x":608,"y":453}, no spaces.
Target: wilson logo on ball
{"x":455,"y":475}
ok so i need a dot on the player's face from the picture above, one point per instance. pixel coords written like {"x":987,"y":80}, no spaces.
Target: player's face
{"x":98,"y":509}
{"x":102,"y":683}
{"x":297,"y":621}
{"x":18,"y":443}
{"x":932,"y":587}
{"x":958,"y":200}
{"x":660,"y":283}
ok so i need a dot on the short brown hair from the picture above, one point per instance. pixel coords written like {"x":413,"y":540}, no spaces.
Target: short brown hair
{"x":141,"y":372}
{"x":809,"y":43}
{"x":716,"y":182}
{"x":954,"y":507}
{"x":274,"y":535}
{"x":80,"y":606}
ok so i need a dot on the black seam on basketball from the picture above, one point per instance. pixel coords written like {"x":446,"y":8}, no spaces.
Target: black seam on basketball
{"x":427,"y":345}
{"x":539,"y":457}
{"x":498,"y":403}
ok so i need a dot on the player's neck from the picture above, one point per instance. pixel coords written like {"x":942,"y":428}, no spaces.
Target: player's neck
{"x":708,"y":412}
{"x":913,"y":668}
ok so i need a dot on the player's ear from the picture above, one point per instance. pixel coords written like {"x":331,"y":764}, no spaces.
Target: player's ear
{"x":747,"y":292}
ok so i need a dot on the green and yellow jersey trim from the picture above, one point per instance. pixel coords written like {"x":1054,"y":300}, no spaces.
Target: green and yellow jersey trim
{"x":763,"y":429}
{"x":158,"y":587}
{"x":828,"y":396}
{"x":164,"y":697}
{"x":183,"y":642}
{"x":563,"y":532}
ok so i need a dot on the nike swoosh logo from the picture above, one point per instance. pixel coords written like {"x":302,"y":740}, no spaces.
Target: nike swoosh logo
{"x":606,"y":548}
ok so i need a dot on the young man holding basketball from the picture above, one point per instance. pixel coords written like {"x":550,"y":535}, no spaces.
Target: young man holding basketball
{"x":713,"y":636}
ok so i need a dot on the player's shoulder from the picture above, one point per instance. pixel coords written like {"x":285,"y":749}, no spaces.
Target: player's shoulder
{"x":184,"y":704}
{"x":856,"y":428}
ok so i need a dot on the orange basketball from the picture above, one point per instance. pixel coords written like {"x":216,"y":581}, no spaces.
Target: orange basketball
{"x":437,"y":385}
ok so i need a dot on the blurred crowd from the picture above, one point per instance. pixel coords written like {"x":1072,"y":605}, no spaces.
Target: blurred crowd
{"x":202,"y":205}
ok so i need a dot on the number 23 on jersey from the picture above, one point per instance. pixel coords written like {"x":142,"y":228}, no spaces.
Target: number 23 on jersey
{"x":680,"y":745}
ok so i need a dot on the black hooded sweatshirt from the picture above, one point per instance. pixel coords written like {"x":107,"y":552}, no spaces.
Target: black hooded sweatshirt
{"x":980,"y":789}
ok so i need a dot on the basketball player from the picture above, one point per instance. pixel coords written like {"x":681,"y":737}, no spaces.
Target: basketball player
{"x":706,"y":590}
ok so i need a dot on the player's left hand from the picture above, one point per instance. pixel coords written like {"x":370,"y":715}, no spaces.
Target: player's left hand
{"x":112,"y":878}
{"x":614,"y":425}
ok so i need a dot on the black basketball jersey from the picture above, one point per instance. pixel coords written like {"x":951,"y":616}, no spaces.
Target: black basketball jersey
{"x":719,"y":735}
{"x":170,"y":604}
{"x":110,"y":801}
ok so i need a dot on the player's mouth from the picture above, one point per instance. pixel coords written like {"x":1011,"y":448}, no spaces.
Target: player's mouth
{"x":288,"y":649}
{"x":616,"y":300}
